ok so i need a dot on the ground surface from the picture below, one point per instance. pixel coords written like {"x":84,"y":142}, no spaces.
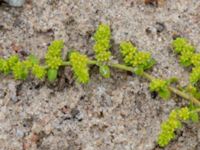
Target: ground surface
{"x":107,"y":114}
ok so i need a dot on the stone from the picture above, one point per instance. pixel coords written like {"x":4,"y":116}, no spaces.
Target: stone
{"x":15,"y":3}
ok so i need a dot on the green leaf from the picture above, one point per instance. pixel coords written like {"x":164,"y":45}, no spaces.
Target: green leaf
{"x":194,"y":116}
{"x":104,"y":71}
{"x":150,"y":63}
{"x":173,"y":80}
{"x":164,"y":93}
{"x":33,"y":59}
{"x":20,"y":71}
{"x":138,"y":70}
{"x":52,"y":74}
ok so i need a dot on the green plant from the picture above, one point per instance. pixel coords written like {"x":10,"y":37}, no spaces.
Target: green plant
{"x":137,"y":62}
{"x":172,"y":124}
{"x":101,"y":48}
{"x":160,"y":86}
{"x":54,"y":59}
{"x":102,"y":45}
{"x":80,"y":67}
{"x":132,"y":57}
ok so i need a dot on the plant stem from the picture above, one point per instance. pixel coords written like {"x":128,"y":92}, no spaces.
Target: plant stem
{"x":147,"y":76}
{"x":196,"y":111}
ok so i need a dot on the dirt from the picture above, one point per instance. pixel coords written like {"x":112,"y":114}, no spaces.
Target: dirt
{"x":118,"y":113}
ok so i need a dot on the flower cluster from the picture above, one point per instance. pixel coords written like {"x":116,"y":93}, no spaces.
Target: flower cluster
{"x":7,"y":64}
{"x":54,"y":54}
{"x":185,"y":49}
{"x":101,"y":48}
{"x":21,"y":69}
{"x":79,"y":64}
{"x":54,"y":59}
{"x":132,"y":57}
{"x":172,"y":124}
{"x":181,"y":45}
{"x":195,"y":75}
{"x":128,"y":52}
{"x":102,"y":43}
{"x":160,"y":86}
{"x":196,"y":59}
{"x":39,"y":71}
{"x":188,"y":57}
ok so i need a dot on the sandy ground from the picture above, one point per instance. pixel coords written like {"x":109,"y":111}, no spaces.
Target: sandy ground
{"x":107,"y":114}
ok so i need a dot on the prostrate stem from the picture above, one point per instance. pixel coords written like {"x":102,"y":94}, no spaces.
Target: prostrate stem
{"x":147,"y":76}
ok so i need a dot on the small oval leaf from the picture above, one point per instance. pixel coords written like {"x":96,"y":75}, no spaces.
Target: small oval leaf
{"x":104,"y":71}
{"x":52,"y":74}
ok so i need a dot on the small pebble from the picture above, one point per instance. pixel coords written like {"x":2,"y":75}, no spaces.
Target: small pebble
{"x":15,"y":3}
{"x":19,"y":133}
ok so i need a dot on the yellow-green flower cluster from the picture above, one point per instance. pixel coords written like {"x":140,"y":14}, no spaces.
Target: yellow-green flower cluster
{"x":39,"y":71}
{"x":79,"y":64}
{"x":188,"y":57}
{"x":54,"y":54}
{"x":196,"y":59}
{"x":102,"y":43}
{"x":171,"y":125}
{"x":185,"y":49}
{"x":4,"y":67}
{"x":20,"y":71}
{"x":160,"y":86}
{"x":132,"y":57}
{"x":195,"y":75}
{"x":7,"y":64}
{"x":141,"y":58}
{"x":128,"y":52}
{"x":181,"y":45}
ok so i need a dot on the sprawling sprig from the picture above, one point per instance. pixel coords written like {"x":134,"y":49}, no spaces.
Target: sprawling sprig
{"x":160,"y":86}
{"x":132,"y":57}
{"x":135,"y":61}
{"x":79,"y":64}
{"x":172,"y":124}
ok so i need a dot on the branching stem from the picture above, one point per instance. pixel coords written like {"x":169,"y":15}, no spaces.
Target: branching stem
{"x":147,"y":76}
